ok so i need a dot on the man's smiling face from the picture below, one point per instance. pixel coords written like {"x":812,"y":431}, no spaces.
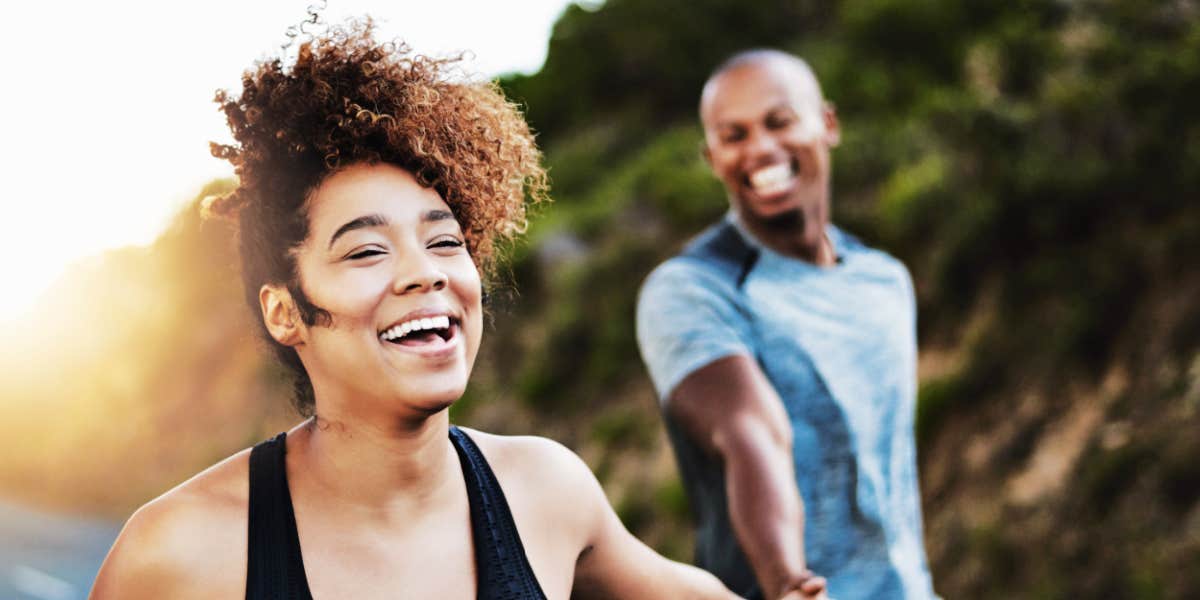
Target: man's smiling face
{"x":767,"y":135}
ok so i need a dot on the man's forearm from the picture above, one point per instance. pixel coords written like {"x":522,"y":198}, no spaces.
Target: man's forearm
{"x":731,"y":410}
{"x":766,"y":510}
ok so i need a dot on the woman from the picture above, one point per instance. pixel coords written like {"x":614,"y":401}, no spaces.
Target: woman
{"x":373,"y":192}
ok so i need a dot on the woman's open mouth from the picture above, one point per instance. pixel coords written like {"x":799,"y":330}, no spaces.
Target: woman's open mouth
{"x":423,"y":334}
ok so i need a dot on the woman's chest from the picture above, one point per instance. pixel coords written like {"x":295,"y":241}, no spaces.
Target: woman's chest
{"x":438,"y":556}
{"x":427,"y":558}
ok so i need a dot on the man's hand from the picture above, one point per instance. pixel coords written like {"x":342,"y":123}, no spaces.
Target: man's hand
{"x":809,"y":586}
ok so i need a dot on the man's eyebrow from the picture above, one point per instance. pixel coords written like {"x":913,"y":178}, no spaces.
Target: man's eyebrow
{"x":436,"y":215}
{"x":359,"y":223}
{"x":740,"y":119}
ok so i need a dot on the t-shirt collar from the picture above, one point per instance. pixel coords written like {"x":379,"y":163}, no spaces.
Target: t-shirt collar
{"x":831,"y":230}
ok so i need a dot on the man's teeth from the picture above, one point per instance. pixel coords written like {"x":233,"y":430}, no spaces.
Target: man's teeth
{"x":772,"y":179}
{"x":407,"y":327}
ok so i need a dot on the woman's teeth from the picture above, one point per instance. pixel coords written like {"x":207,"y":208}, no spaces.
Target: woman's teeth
{"x":407,"y":327}
{"x":772,"y":180}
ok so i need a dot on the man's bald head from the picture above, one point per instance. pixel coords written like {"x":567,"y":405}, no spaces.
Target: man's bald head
{"x":785,"y":64}
{"x":767,"y":136}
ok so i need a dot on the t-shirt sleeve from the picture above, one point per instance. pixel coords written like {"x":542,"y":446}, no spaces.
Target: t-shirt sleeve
{"x":687,"y":319}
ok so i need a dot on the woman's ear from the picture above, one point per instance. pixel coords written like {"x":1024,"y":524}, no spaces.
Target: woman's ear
{"x":280,"y":314}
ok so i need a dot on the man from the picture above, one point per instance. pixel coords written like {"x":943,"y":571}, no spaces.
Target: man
{"x":784,"y":352}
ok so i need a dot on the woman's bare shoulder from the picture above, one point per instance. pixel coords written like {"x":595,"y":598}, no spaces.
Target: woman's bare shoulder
{"x":556,"y":502}
{"x":189,"y":542}
{"x":541,"y":472}
{"x":530,"y":459}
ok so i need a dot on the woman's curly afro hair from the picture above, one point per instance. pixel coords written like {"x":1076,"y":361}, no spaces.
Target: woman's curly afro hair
{"x":347,"y":99}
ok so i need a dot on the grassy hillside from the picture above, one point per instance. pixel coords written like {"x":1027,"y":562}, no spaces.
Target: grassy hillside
{"x":1032,"y":162}
{"x":1034,"y":165}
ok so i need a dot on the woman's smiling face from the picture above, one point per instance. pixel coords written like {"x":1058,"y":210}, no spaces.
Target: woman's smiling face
{"x":386,"y":258}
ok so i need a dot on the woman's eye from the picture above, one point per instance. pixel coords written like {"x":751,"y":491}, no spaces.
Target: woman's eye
{"x":364,"y":253}
{"x":447,"y":243}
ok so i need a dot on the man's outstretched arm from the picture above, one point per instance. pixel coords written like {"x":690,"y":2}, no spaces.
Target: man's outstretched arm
{"x":732,"y":411}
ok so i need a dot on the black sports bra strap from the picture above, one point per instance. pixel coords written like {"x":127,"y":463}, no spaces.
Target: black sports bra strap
{"x":274,"y":567}
{"x":504,"y":572}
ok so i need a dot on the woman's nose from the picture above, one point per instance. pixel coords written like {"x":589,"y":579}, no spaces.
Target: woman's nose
{"x":419,"y":274}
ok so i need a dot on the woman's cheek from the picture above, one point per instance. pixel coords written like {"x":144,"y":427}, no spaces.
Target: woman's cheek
{"x":362,"y":288}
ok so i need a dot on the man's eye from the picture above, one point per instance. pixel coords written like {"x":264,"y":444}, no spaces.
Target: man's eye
{"x":779,"y":122}
{"x":364,"y":253}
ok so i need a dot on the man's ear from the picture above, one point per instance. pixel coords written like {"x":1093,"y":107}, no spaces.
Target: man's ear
{"x":704,"y":151}
{"x":833,"y":129}
{"x":280,"y":314}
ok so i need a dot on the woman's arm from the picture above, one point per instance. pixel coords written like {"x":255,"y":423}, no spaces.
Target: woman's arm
{"x":613,"y":563}
{"x":158,"y":555}
{"x":188,"y":543}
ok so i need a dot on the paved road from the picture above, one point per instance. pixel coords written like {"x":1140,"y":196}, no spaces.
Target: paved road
{"x":50,"y":557}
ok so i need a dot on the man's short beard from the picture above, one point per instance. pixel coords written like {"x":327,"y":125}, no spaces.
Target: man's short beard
{"x":789,"y":221}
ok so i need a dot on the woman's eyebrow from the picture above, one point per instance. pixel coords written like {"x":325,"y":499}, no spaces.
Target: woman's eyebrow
{"x":359,"y":223}
{"x":436,"y":215}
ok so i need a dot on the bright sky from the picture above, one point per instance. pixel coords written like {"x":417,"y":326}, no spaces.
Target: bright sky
{"x":107,"y":106}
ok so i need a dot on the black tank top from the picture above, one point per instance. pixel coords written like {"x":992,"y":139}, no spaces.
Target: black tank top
{"x":275,"y":568}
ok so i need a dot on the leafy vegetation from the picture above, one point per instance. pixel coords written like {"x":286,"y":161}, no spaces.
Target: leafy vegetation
{"x":1034,"y":163}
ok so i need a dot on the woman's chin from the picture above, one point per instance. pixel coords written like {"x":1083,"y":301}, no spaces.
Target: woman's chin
{"x":434,"y":407}
{"x":433,"y":401}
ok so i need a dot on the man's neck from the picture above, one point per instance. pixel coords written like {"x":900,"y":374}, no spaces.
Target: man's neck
{"x":807,"y":241}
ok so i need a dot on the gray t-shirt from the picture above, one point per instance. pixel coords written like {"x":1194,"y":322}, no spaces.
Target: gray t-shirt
{"x":839,"y":345}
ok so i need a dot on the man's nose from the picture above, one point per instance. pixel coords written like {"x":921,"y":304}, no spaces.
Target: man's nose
{"x":762,"y":144}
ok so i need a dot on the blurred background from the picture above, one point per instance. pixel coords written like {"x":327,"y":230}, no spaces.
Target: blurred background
{"x":1035,"y":163}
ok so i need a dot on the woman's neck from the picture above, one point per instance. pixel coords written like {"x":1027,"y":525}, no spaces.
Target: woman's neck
{"x":386,"y":469}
